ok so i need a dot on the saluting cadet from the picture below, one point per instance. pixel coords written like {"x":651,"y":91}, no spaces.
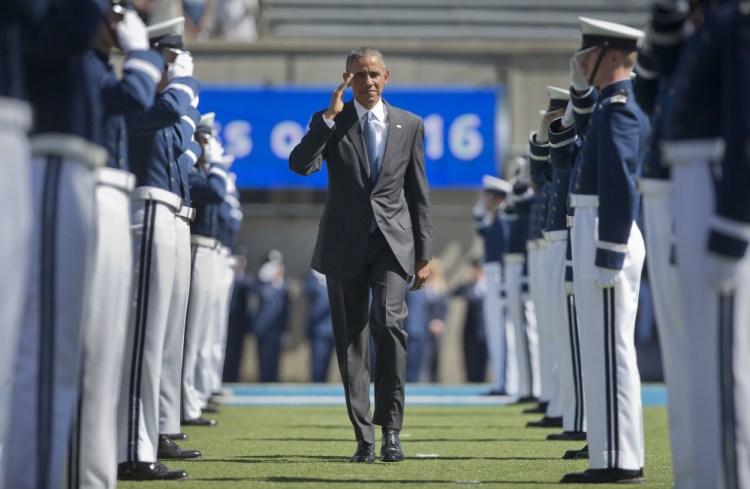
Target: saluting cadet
{"x":711,"y":62}
{"x":520,"y":308}
{"x":654,"y":83}
{"x":93,"y":453}
{"x":565,"y":333}
{"x":154,"y":138}
{"x":64,"y":156}
{"x":608,"y":256}
{"x":208,"y":188}
{"x":487,"y":222}
{"x":568,"y":136}
{"x":728,"y":262}
{"x":15,"y":186}
{"x":537,"y":253}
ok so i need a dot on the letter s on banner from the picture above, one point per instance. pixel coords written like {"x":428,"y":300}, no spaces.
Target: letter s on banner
{"x":237,"y":138}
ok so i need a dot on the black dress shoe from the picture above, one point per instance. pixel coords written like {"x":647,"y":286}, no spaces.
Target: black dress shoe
{"x":365,"y":453}
{"x":171,"y":450}
{"x":211,"y":410}
{"x":540,"y":408}
{"x":527,"y":400}
{"x":176,"y":436}
{"x":581,"y":454}
{"x":494,"y":392}
{"x":198,"y":422}
{"x":568,"y":436}
{"x":390,"y":449}
{"x":148,"y":471}
{"x":546,"y":422}
{"x":602,"y":476}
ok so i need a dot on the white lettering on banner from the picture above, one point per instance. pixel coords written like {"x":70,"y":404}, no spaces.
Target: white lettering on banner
{"x":237,"y":139}
{"x":433,"y":136}
{"x":284,"y":137}
{"x":464,"y":140}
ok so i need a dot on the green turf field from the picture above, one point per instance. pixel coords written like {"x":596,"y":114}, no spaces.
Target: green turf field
{"x":309,"y":447}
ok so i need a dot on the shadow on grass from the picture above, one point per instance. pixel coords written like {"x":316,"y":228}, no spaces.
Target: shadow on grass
{"x":262,"y":459}
{"x":406,"y":440}
{"x":357,"y":482}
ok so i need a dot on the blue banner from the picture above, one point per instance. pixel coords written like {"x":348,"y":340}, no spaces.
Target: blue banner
{"x":261,"y":125}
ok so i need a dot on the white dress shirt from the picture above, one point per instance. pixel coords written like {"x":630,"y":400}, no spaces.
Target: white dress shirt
{"x":380,"y":121}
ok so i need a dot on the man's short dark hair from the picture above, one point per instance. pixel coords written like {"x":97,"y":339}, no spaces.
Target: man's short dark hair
{"x":363,"y":52}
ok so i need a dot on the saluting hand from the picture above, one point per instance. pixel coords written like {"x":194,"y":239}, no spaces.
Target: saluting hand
{"x":337,"y":98}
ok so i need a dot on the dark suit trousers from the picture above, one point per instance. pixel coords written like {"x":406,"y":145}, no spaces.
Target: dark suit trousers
{"x":353,"y":318}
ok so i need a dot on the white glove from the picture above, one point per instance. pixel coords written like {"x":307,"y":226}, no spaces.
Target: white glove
{"x":194,"y":102}
{"x":182,"y":66}
{"x":131,"y":33}
{"x":577,"y":78}
{"x":722,"y":272}
{"x":569,"y":288}
{"x":213,"y":151}
{"x":542,"y":135}
{"x":567,"y":118}
{"x":606,"y":277}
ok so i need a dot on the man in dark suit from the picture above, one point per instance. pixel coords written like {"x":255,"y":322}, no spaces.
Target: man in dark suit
{"x":375,"y":234}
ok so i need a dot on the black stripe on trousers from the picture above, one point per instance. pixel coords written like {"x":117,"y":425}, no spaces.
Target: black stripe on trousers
{"x":610,"y":369}
{"x":74,"y":451}
{"x":575,"y":350}
{"x":136,"y":367}
{"x":48,"y":250}
{"x":726,"y":386}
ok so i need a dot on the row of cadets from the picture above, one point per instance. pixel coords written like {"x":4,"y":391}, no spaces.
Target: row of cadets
{"x":230,"y":219}
{"x":55,"y":227}
{"x":658,"y":55}
{"x":521,"y":313}
{"x":608,"y":255}
{"x":561,"y":320}
{"x":500,"y":344}
{"x":93,"y":450}
{"x":150,"y":396}
{"x":708,"y":158}
{"x":208,"y":190}
{"x":536,"y":245}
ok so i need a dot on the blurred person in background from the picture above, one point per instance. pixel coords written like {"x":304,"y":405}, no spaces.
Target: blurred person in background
{"x":234,"y":20}
{"x":198,"y":17}
{"x":270,"y":318}
{"x":426,"y":326}
{"x":473,"y":290}
{"x":239,"y":319}
{"x":319,"y":327}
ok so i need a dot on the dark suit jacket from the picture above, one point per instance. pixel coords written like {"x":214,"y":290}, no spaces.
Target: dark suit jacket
{"x":399,"y":198}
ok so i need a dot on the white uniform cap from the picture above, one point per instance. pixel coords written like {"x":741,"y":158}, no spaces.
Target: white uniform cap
{"x":608,"y":34}
{"x":207,"y":119}
{"x":168,"y":32}
{"x":558,"y":98}
{"x":495,"y":184}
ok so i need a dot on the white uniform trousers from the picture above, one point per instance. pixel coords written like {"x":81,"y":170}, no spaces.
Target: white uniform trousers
{"x":658,"y":218}
{"x":501,"y":352}
{"x":198,"y":320}
{"x":606,"y":320}
{"x":565,"y":335}
{"x":46,"y":369}
{"x":15,"y":225}
{"x":154,"y":263}
{"x":204,"y":368}
{"x":521,"y":315}
{"x":170,"y":386}
{"x":93,"y":455}
{"x":550,"y":386}
{"x":226,"y":277}
{"x":693,"y":201}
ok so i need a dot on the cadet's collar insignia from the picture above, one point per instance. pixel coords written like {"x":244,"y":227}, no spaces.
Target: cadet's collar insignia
{"x":619,"y":98}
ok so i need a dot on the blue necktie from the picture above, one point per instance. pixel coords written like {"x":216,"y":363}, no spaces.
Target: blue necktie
{"x":372,"y":156}
{"x":372,"y":147}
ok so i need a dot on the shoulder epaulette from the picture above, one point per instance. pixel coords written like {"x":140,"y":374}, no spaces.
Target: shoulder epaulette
{"x":620,"y":97}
